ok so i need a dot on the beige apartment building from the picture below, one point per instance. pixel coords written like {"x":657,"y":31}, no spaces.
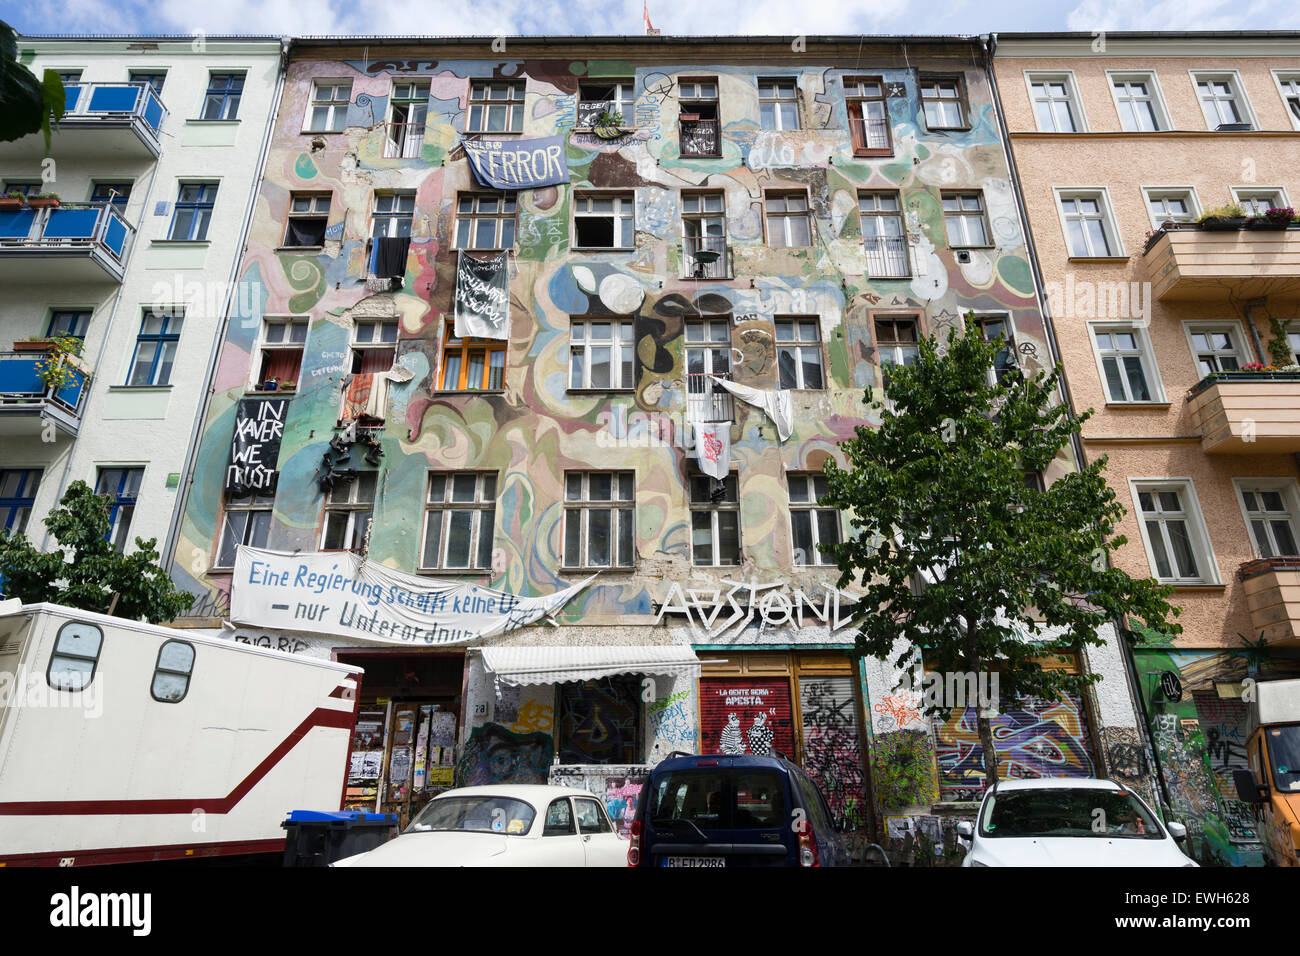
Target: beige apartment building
{"x":1149,"y":166}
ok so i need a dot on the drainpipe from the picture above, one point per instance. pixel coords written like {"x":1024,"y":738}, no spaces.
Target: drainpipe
{"x":1254,"y":331}
{"x":196,"y":432}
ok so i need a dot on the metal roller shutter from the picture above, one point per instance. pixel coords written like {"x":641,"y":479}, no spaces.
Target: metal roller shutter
{"x":832,"y":742}
{"x":746,"y":715}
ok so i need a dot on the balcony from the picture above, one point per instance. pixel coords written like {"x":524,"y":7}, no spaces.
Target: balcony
{"x":27,"y":403}
{"x":102,"y":121}
{"x":707,"y":401}
{"x":887,"y":257}
{"x":1272,"y":587}
{"x":1247,"y":413}
{"x":1189,"y":262}
{"x":72,"y":243}
{"x":704,"y":257}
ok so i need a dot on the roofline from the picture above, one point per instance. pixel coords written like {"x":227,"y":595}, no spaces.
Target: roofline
{"x":1154,"y":35}
{"x":150,"y":38}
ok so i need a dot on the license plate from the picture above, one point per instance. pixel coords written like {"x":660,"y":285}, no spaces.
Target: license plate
{"x":695,"y":861}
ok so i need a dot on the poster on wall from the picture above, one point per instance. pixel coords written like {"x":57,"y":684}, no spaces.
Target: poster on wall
{"x":342,"y":593}
{"x":255,"y":448}
{"x":741,"y":715}
{"x":482,"y":308}
{"x":518,"y":163}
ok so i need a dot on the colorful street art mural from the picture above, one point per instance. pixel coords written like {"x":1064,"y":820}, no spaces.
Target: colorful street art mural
{"x":832,"y":745}
{"x":496,"y":755}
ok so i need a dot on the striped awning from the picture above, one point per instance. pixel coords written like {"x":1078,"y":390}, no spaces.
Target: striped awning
{"x":559,"y":664}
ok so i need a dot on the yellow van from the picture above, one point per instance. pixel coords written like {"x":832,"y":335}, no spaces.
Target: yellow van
{"x":1272,"y":784}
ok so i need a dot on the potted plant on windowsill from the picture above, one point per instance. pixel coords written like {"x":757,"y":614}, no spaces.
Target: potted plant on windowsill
{"x":44,"y":201}
{"x":288,"y":385}
{"x":60,"y":367}
{"x":1223,"y":218}
{"x":271,"y":385}
{"x":608,"y":125}
{"x":1272,"y":219}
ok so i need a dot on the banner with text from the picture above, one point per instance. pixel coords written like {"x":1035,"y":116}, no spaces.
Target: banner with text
{"x":520,"y":163}
{"x":255,"y":449}
{"x":483,"y":297}
{"x":345,"y":594}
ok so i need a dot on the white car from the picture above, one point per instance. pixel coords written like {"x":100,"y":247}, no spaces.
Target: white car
{"x":519,"y":825}
{"x":1069,"y":822}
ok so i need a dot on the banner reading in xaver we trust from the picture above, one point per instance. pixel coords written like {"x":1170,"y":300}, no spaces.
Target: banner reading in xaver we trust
{"x":255,"y":449}
{"x":346,"y":595}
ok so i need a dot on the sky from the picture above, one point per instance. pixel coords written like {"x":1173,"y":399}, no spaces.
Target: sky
{"x":624,"y":17}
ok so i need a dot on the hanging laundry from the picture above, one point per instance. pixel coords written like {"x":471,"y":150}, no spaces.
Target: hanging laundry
{"x":777,"y":404}
{"x":365,"y":397}
{"x":388,"y":256}
{"x":713,"y":447}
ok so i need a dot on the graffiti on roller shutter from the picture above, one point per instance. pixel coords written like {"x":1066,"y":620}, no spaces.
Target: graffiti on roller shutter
{"x":1037,"y":738}
{"x":831,"y":744}
{"x":745,"y":716}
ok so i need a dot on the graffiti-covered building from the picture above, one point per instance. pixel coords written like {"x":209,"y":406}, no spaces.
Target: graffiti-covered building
{"x":558,"y":339}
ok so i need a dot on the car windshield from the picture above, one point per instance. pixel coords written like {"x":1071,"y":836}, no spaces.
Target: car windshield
{"x":1284,"y":755}
{"x":477,"y":814}
{"x":719,"y":799}
{"x":1079,"y":812}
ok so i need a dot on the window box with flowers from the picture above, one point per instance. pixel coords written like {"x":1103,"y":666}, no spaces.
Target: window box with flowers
{"x":62,"y":365}
{"x":1272,"y":219}
{"x":1223,"y":218}
{"x":1250,"y":372}
{"x":43,"y":201}
{"x":11,"y":202}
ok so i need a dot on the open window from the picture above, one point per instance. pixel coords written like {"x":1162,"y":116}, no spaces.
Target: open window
{"x":698,"y":128}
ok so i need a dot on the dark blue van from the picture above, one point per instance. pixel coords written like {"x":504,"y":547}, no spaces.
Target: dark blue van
{"x":723,"y":810}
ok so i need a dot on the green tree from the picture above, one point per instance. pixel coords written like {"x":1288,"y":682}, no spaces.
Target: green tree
{"x":86,"y":571}
{"x":26,"y":103}
{"x":938,"y":493}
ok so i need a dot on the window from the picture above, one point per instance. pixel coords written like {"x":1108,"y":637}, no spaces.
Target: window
{"x":73,"y":322}
{"x":23,"y":187}
{"x":283,"y":339}
{"x":991,"y":327}
{"x":115,"y":193}
{"x":963,"y":214}
{"x":496,"y":108}
{"x":596,"y":97}
{"x":1177,"y":545}
{"x":601,"y":353}
{"x":1270,"y":514}
{"x":778,"y":103}
{"x":1257,"y":201}
{"x":392,"y":216}
{"x":408,"y":112}
{"x":591,"y":816}
{"x":1216,"y":347}
{"x":599,"y":519}
{"x":373,"y":345}
{"x":122,"y":486}
{"x":708,"y":354}
{"x":896,"y":344}
{"x":459,"y":520}
{"x":75,"y":657}
{"x":171,"y":673}
{"x":308,"y":216}
{"x":328,"y":111}
{"x":868,"y":115}
{"x":155,"y":348}
{"x":1089,"y":230}
{"x":1178,"y":205}
{"x":697,"y":122}
{"x":485,"y":221}
{"x":704,"y":235}
{"x":603,"y":220}
{"x":1289,"y":85}
{"x":193,"y":212}
{"x":1126,"y":363}
{"x":348,"y":510}
{"x":246,"y":521}
{"x":1138,"y":101}
{"x":153,"y":79}
{"x":222,"y":99}
{"x":471,"y":365}
{"x":1222,"y":101}
{"x":17,"y":498}
{"x":715,"y":521}
{"x":798,"y":352}
{"x":787,"y":219}
{"x":882,"y":235}
{"x":811,"y":527}
{"x":943,"y":101}
{"x":559,"y":818}
{"x":1055,"y":102}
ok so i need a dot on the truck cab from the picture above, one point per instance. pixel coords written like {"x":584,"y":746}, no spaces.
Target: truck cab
{"x":1272,"y":784}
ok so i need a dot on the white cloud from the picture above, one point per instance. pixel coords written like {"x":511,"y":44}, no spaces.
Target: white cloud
{"x":1219,"y":15}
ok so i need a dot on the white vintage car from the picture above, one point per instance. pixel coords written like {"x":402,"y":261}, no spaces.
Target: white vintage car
{"x":513,"y":825}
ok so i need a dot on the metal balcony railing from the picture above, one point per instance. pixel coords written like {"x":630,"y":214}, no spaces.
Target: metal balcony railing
{"x":887,"y":256}
{"x":707,"y":401}
{"x":699,"y":138}
{"x":704,"y":257}
{"x":23,"y":391}
{"x":404,"y":141}
{"x":133,"y":100}
{"x":95,"y":227}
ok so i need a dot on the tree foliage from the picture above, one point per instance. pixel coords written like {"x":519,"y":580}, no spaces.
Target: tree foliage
{"x":86,"y":571}
{"x":26,"y":103}
{"x":938,"y":493}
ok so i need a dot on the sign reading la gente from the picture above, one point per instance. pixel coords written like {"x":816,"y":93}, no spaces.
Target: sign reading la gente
{"x":346,"y":595}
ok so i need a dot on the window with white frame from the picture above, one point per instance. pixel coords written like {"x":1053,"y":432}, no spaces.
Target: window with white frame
{"x":495,"y":107}
{"x":1222,"y":101}
{"x":811,"y":526}
{"x":778,"y":103}
{"x":245,"y":521}
{"x":308,"y":218}
{"x":1293,"y":339}
{"x":1137,"y":99}
{"x":868,"y":111}
{"x":993,"y":327}
{"x":715,"y":521}
{"x":787,"y":219}
{"x":963,"y":215}
{"x":897,"y":343}
{"x":459,"y":520}
{"x":704,"y":234}
{"x":1216,"y":347}
{"x":1289,"y":86}
{"x":943,"y":101}
{"x":328,"y":110}
{"x":883,"y":236}
{"x":283,"y":338}
{"x":1256,"y":201}
{"x":603,"y":220}
{"x":598,"y":97}
{"x":393,"y":214}
{"x":485,"y":220}
{"x":1056,"y":107}
{"x":349,"y":508}
{"x":1177,"y":545}
{"x":1269,"y":505}
{"x":1166,"y":205}
{"x":374,"y":345}
{"x":798,"y":352}
{"x":408,"y":111}
{"x":1090,"y":232}
{"x":1127,"y":367}
{"x":599,"y":519}
{"x":601,"y":354}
